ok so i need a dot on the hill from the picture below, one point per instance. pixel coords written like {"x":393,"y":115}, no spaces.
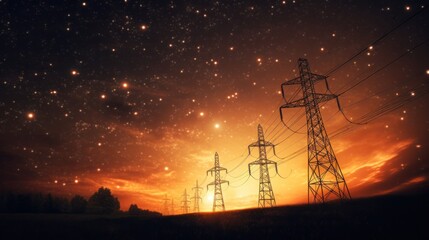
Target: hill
{"x":387,"y":217}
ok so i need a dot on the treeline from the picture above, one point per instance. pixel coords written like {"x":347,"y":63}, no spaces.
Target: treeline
{"x":101,"y":202}
{"x":33,"y":203}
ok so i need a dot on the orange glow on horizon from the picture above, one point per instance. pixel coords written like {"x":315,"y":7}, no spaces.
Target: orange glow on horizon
{"x":361,"y":162}
{"x":144,"y":111}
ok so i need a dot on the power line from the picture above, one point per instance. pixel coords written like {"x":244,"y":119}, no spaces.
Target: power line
{"x":241,"y":162}
{"x":247,"y":179}
{"x":385,"y":66}
{"x":374,"y":73}
{"x":373,"y":115}
{"x":376,"y":41}
{"x":271,"y":115}
{"x":278,"y":174}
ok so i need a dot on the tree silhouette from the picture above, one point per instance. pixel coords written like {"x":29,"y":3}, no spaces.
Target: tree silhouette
{"x":51,"y":204}
{"x":103,"y":202}
{"x":134,"y":209}
{"x":78,"y":204}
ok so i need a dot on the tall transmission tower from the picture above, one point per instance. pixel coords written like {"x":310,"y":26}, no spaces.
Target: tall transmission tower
{"x":325,"y":179}
{"x":166,"y":212}
{"x":197,"y":197}
{"x":185,"y":202}
{"x":218,"y":203}
{"x":266,"y":193}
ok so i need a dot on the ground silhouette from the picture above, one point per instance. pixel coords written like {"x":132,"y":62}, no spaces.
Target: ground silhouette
{"x":387,"y":217}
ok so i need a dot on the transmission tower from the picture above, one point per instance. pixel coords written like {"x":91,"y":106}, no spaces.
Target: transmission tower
{"x":218,"y":203}
{"x":325,"y":179}
{"x":166,"y":212}
{"x":185,"y":202}
{"x":266,"y":194}
{"x":172,"y":207}
{"x":197,"y":197}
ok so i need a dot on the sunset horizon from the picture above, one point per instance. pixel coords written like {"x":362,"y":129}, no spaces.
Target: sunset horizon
{"x":138,"y":98}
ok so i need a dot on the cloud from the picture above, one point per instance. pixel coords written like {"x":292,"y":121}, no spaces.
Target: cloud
{"x":395,"y":169}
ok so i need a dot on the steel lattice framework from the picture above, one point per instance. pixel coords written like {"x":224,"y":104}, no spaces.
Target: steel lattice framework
{"x":185,"y":203}
{"x":218,"y":203}
{"x":325,"y":179}
{"x":166,"y":212}
{"x":197,"y":197}
{"x":266,"y":193}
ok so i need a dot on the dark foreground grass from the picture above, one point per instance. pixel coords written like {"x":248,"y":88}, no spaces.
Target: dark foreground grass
{"x":389,"y":217}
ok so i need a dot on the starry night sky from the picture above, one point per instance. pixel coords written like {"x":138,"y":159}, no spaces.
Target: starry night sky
{"x":137,"y":96}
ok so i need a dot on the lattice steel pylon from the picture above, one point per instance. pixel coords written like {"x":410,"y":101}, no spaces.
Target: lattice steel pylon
{"x":197,"y":197}
{"x":185,"y":202}
{"x":172,"y":207}
{"x":218,"y":203}
{"x":166,"y":212}
{"x":266,"y":193}
{"x":325,"y":179}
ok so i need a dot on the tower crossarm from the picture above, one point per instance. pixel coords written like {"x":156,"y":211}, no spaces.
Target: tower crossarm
{"x":257,"y":144}
{"x":214,"y":183}
{"x":215,"y":169}
{"x":317,"y":77}
{"x":265,"y":144}
{"x":294,"y":104}
{"x":296,"y":81}
{"x":224,"y":181}
{"x":262,"y":162}
{"x":319,"y":97}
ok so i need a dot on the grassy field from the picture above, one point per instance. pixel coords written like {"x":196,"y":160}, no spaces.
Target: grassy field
{"x":389,"y":217}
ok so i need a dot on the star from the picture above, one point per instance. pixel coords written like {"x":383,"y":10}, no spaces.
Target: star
{"x":30,"y":115}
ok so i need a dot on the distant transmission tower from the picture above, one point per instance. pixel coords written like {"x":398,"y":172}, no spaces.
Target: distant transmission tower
{"x":185,"y":202}
{"x":166,"y":212}
{"x":218,"y":203}
{"x":325,"y":179}
{"x":266,"y":194}
{"x":172,"y":207}
{"x":197,"y":197}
